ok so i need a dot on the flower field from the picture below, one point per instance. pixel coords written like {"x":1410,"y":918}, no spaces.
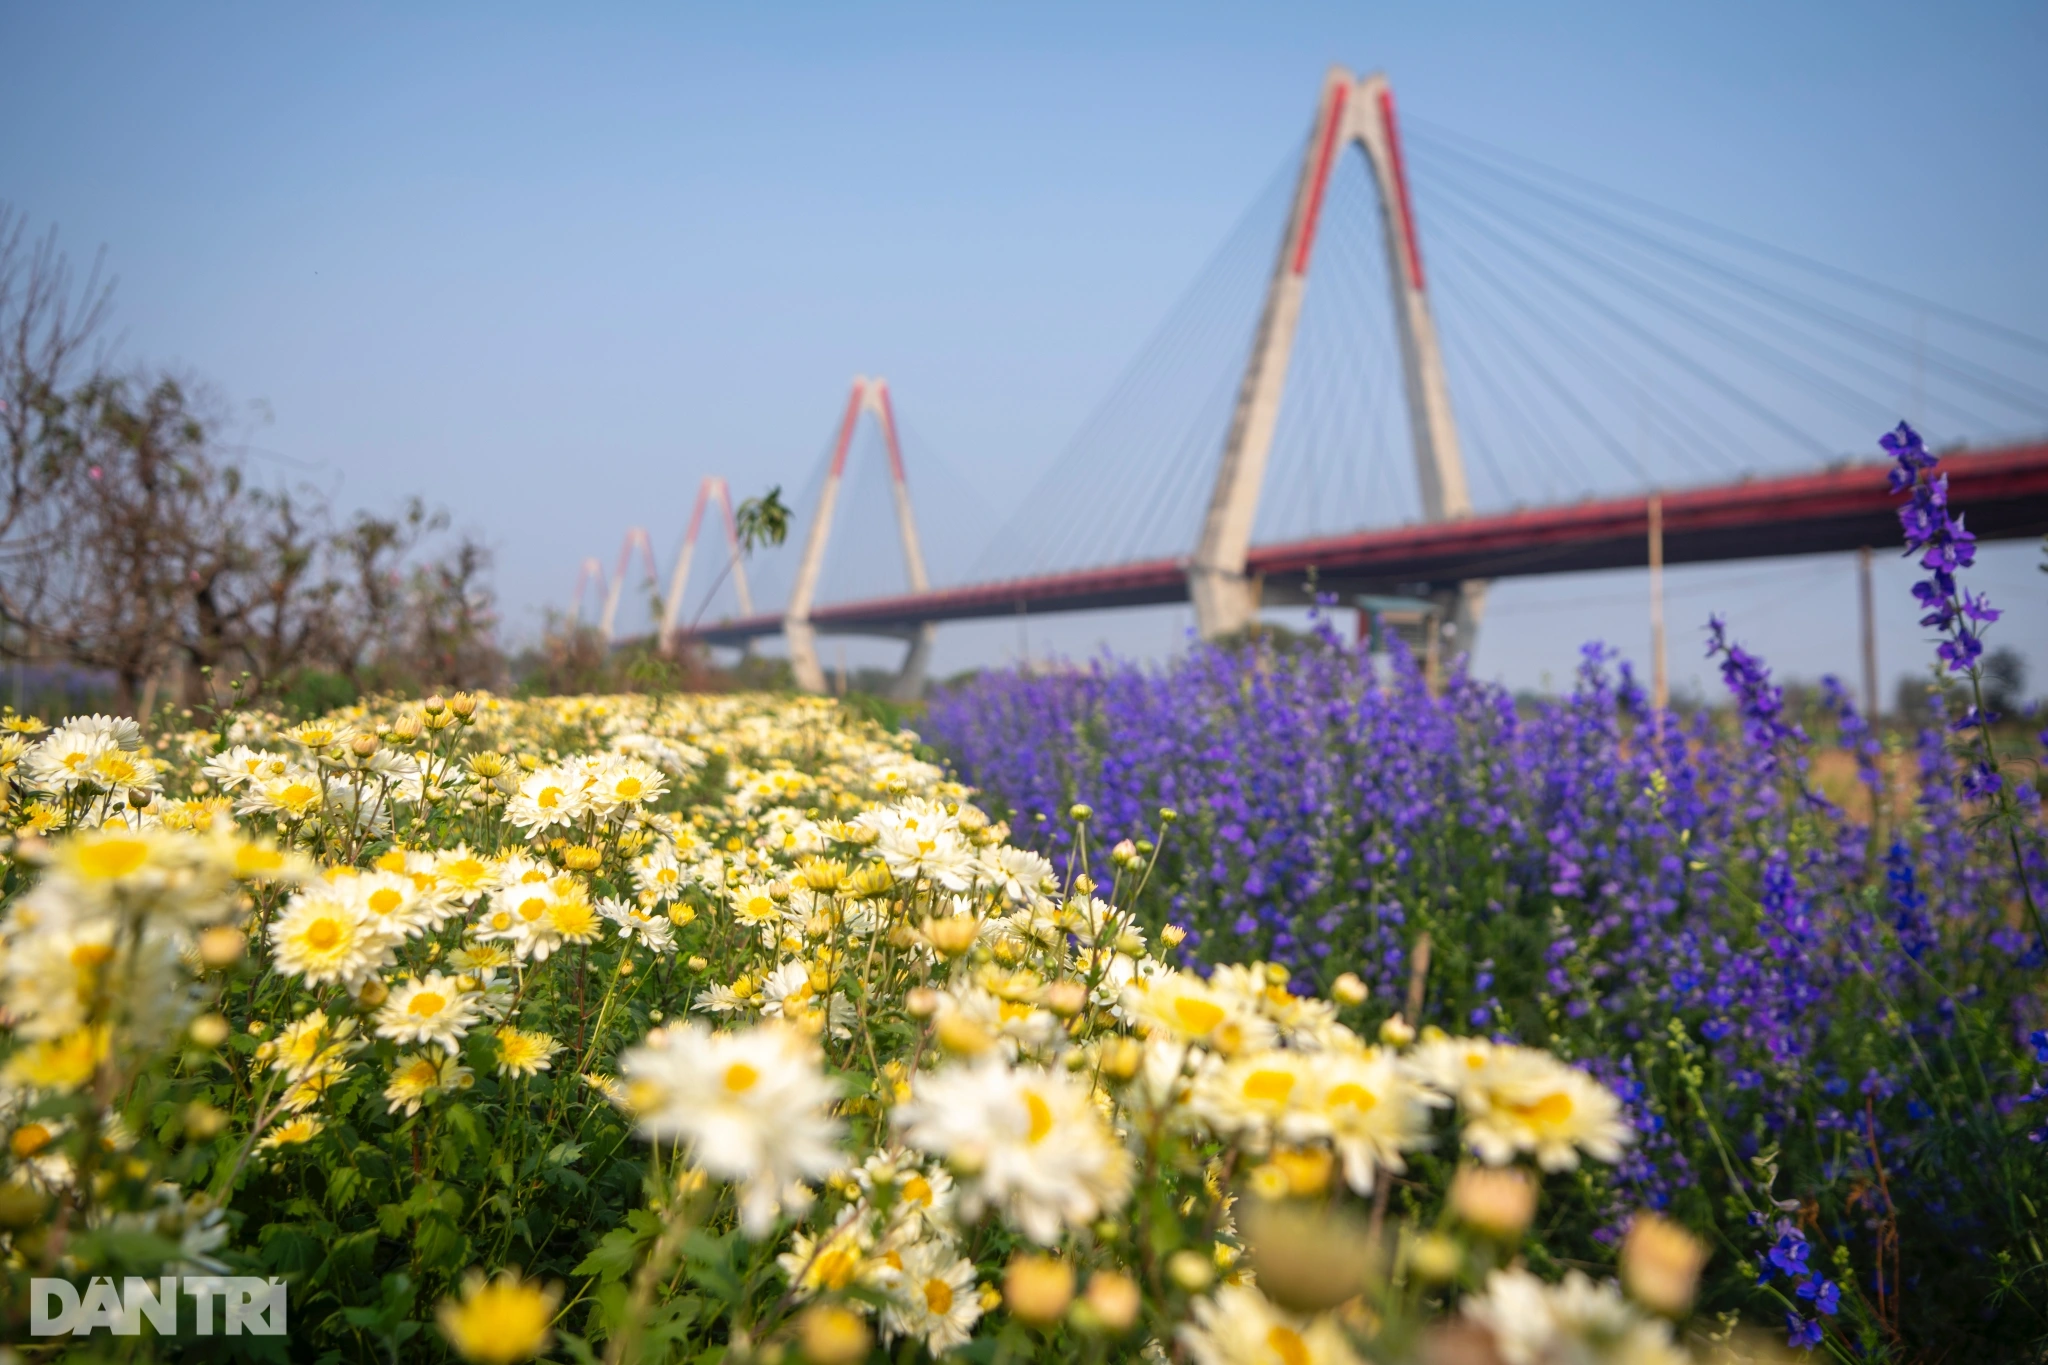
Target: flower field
{"x":1295,"y":1015}
{"x":720,"y":1028}
{"x":1826,"y":1030}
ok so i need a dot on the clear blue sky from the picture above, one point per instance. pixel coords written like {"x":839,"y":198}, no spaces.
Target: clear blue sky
{"x":548,"y":265}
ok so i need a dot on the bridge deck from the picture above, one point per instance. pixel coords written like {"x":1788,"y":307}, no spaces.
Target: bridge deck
{"x":2003,"y":494}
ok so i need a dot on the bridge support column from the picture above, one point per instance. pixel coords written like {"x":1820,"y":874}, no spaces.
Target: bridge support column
{"x":871,"y":395}
{"x":909,"y":682}
{"x":1351,"y":111}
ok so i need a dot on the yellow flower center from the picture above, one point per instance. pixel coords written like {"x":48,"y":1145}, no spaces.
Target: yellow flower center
{"x":1287,"y":1344}
{"x":29,"y":1139}
{"x":938,"y":1296}
{"x":740,"y":1078}
{"x":532,"y":908}
{"x":1041,"y":1116}
{"x":629,"y":788}
{"x":1552,"y":1109}
{"x":384,"y":900}
{"x":86,"y":956}
{"x":109,"y":859}
{"x":1353,"y":1094}
{"x":917,"y":1190}
{"x":323,"y":934}
{"x":836,"y":1268}
{"x":549,"y":798}
{"x":501,"y":921}
{"x":1196,"y":1015}
{"x":297,"y":794}
{"x":426,"y":1004}
{"x":1269,"y":1087}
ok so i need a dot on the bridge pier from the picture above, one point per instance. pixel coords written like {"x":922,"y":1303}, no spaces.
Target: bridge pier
{"x":1352,"y":112}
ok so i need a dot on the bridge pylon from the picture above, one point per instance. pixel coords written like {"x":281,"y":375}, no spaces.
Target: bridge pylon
{"x":1226,"y":598}
{"x":869,"y":396}
{"x":713,"y":488}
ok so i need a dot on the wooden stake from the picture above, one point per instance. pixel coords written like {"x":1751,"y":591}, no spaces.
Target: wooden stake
{"x":1873,"y":705}
{"x":1660,"y":685}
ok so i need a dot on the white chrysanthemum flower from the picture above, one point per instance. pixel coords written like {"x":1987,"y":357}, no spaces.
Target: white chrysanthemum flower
{"x":525,"y":1053}
{"x":242,"y":765}
{"x":1019,"y":874}
{"x":422,"y":1076}
{"x":659,"y":875}
{"x":63,"y":761}
{"x":1181,"y":1005}
{"x":293,"y":794}
{"x":1039,"y":1147}
{"x":1371,"y":1110}
{"x":1240,"y":1326}
{"x":835,"y":1259}
{"x":753,"y":1106}
{"x":324,"y":937}
{"x":653,"y":932}
{"x":122,"y":732}
{"x":394,"y":902}
{"x":1304,"y":1021}
{"x":933,"y":1297}
{"x":621,"y":782}
{"x":1455,"y":1067}
{"x":1260,"y":1098}
{"x":917,"y":1195}
{"x":431,"y":1009}
{"x":1533,"y":1103}
{"x":551,"y":796}
{"x":464,"y":876}
{"x":1534,"y":1323}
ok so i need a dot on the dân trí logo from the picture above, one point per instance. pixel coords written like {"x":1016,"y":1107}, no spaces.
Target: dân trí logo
{"x":247,"y":1304}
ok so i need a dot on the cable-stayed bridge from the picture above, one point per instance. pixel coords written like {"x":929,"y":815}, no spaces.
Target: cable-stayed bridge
{"x":1569,"y":379}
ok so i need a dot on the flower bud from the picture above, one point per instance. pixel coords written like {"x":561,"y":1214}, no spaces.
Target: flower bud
{"x":1397,"y":1032}
{"x":1661,"y":1264}
{"x":203,"y":1121}
{"x":406,"y":728}
{"x":952,"y":935}
{"x":922,"y":1002}
{"x":1080,"y":812}
{"x":208,"y":1030}
{"x":1191,"y":1270}
{"x":1173,"y":935}
{"x":1121,"y":1058}
{"x":1037,"y":1289}
{"x":1435,"y":1258}
{"x":963,"y":1037}
{"x":1114,"y":1298}
{"x":463,"y":705}
{"x":1167,"y":815}
{"x":363,"y":746}
{"x":220,"y":945}
{"x":1066,"y":998}
{"x":434,"y":705}
{"x":831,"y":1335}
{"x":1348,"y":990}
{"x":1500,"y":1201}
{"x":1124,"y":853}
{"x":373,"y":994}
{"x":697,"y":964}
{"x":582,"y":858}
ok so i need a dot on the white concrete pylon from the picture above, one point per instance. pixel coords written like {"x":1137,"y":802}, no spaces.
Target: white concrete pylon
{"x":872,"y":397}
{"x":1351,"y":111}
{"x":588,"y":572}
{"x":713,"y":488}
{"x":635,"y":535}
